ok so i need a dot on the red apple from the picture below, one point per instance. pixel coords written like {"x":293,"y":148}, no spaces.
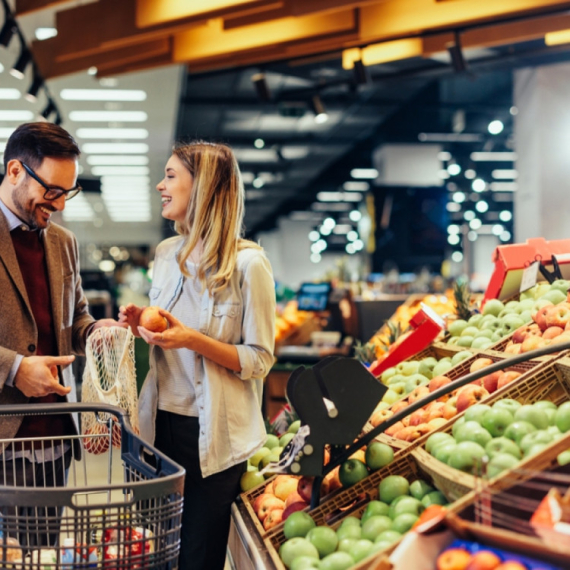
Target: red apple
{"x":294,"y":497}
{"x":395,"y":428}
{"x":436,"y":411}
{"x":267,"y":505}
{"x":557,"y":316}
{"x":437,"y":382}
{"x":399,"y":406}
{"x":419,"y":417}
{"x":380,"y":416}
{"x":293,"y":508}
{"x":470,"y":395}
{"x":332,"y":479}
{"x":507,"y":377}
{"x":513,"y":349}
{"x":453,"y":559}
{"x":285,"y":485}
{"x":564,"y":337}
{"x":480,"y":363}
{"x":258,"y":500}
{"x":97,"y":443}
{"x":483,"y":560}
{"x":305,"y":488}
{"x":152,"y":320}
{"x":531,"y":343}
{"x":269,"y":487}
{"x":540,"y":317}
{"x":527,"y":330}
{"x":490,"y":381}
{"x":273,"y":518}
{"x":418,"y":393}
{"x":552,"y":332}
{"x":450,"y":408}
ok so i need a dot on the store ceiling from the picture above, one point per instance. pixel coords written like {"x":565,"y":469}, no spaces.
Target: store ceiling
{"x":422,"y":93}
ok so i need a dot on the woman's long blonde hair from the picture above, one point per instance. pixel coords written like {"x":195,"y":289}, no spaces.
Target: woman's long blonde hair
{"x":214,"y":214}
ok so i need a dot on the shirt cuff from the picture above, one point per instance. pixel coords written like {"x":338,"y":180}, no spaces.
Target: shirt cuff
{"x":14,"y":370}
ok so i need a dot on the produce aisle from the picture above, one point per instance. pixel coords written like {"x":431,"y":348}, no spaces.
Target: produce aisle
{"x":458,"y":454}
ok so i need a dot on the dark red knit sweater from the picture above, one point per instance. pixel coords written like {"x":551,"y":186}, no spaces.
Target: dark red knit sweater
{"x":31,"y":258}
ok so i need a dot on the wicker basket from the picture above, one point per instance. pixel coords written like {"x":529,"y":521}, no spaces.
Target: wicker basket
{"x":352,"y":502}
{"x":550,"y":381}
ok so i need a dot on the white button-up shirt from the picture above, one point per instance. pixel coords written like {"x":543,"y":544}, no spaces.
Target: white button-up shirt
{"x":229,"y":403}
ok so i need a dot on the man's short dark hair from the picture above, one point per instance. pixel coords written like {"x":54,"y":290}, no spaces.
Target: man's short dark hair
{"x":32,"y":142}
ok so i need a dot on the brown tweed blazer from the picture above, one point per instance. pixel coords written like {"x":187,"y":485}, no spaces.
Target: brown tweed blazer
{"x":18,"y":331}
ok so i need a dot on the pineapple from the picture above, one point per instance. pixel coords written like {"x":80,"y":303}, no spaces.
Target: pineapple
{"x":365,"y":353}
{"x":462,"y":297}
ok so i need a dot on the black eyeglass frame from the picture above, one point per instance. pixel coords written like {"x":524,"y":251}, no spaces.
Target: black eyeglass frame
{"x":69,"y":194}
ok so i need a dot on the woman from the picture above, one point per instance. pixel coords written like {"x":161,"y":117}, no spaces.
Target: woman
{"x":201,"y":400}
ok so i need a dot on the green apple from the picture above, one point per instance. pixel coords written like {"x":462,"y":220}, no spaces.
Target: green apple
{"x":391,"y":487}
{"x":561,"y":285}
{"x":351,"y":472}
{"x":457,"y":424}
{"x":408,"y":368}
{"x":545,"y":404}
{"x":372,"y":527}
{"x":469,"y":331}
{"x":508,"y":404}
{"x":426,"y":370}
{"x":337,"y":561}
{"x":536,"y":448}
{"x":493,"y":307}
{"x":391,"y":396}
{"x":525,"y":305}
{"x":434,"y":498}
{"x":295,"y":548}
{"x":294,"y":427}
{"x":298,"y":524}
{"x":554,"y":296}
{"x":457,"y":327}
{"x":518,"y":429}
{"x":493,"y":324}
{"x":378,"y":455}
{"x":397,"y":379}
{"x":452,"y":340}
{"x":499,"y":463}
{"x":464,"y":429}
{"x":540,"y":303}
{"x":304,"y":563}
{"x":406,"y":505}
{"x":442,"y":451}
{"x":511,"y":323}
{"x":360,"y":550}
{"x":496,"y":421}
{"x":475,"y":319}
{"x":374,"y":509}
{"x":437,"y":438}
{"x":271,"y":441}
{"x":556,"y":433}
{"x":404,"y":522}
{"x":481,"y":343}
{"x":460,"y":356}
{"x":351,"y":521}
{"x":564,"y":457}
{"x":415,"y":380}
{"x":475,"y":413}
{"x":387,"y":374}
{"x":465,"y":341}
{"x":271,"y":457}
{"x":442,"y":367}
{"x":250,"y":479}
{"x":259,"y":455}
{"x":526,"y":316}
{"x":344,"y":544}
{"x":486,"y":333}
{"x":503,"y":445}
{"x":390,"y":536}
{"x":431,"y":361}
{"x":534,"y":438}
{"x":479,"y":435}
{"x":535,"y":416}
{"x":419,"y":488}
{"x":324,"y":539}
{"x":467,"y":456}
{"x":286,"y":438}
{"x":562,"y":417}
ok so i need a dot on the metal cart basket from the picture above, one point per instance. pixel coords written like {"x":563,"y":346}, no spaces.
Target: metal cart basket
{"x":63,"y":507}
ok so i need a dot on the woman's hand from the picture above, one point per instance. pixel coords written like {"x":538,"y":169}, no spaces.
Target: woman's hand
{"x":177,"y":335}
{"x":131,"y":315}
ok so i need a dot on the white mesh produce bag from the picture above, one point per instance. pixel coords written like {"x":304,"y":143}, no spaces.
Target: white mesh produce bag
{"x":109,"y":378}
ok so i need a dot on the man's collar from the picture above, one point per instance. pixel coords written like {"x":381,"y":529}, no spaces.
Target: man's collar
{"x":13,"y":220}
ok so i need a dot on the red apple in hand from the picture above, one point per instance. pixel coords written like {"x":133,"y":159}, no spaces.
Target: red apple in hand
{"x":470,"y":395}
{"x":152,"y":320}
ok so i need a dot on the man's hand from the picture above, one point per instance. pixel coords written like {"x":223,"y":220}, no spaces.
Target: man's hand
{"x":129,"y":316}
{"x":37,"y":376}
{"x":107,"y":323}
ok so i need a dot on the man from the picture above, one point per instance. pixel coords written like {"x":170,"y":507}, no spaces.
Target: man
{"x":43,"y":313}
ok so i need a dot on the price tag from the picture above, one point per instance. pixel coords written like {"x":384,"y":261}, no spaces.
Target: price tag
{"x":530,"y":276}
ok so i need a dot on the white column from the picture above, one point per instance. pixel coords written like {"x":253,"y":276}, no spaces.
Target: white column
{"x":542,"y":134}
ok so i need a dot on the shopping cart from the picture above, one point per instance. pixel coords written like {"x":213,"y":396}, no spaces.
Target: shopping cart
{"x":114,"y":512}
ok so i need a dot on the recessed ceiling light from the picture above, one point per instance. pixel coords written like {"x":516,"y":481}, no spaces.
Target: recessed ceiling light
{"x":119,"y":170}
{"x":103,"y":95}
{"x":496,"y":127}
{"x":365,"y":173}
{"x":493,"y":156}
{"x":8,"y":93}
{"x":45,"y":33}
{"x":86,"y":133}
{"x":117,"y":159}
{"x":108,"y":116}
{"x":503,"y":186}
{"x":123,"y":148}
{"x":504,"y":174}
{"x":16,"y":115}
{"x":355,"y":186}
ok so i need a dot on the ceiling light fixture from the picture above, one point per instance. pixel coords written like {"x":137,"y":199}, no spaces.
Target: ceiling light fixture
{"x":496,"y":127}
{"x":7,"y":93}
{"x":456,"y":54}
{"x":37,"y":82}
{"x":318,"y":109}
{"x":261,"y":87}
{"x":108,"y":116}
{"x":258,"y":143}
{"x":86,"y":133}
{"x":22,"y":62}
{"x":45,"y":33}
{"x":7,"y":33}
{"x":364,"y":173}
{"x":118,"y":148}
{"x":16,"y":115}
{"x":48,"y":109}
{"x":103,"y":95}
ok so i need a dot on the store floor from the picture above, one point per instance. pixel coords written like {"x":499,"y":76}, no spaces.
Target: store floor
{"x":106,"y":469}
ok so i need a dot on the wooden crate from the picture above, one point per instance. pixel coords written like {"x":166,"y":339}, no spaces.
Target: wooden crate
{"x":549,"y":381}
{"x":454,"y":373}
{"x":499,"y":348}
{"x":352,"y":502}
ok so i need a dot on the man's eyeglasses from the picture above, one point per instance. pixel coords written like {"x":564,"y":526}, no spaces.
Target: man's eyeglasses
{"x":52,"y":192}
